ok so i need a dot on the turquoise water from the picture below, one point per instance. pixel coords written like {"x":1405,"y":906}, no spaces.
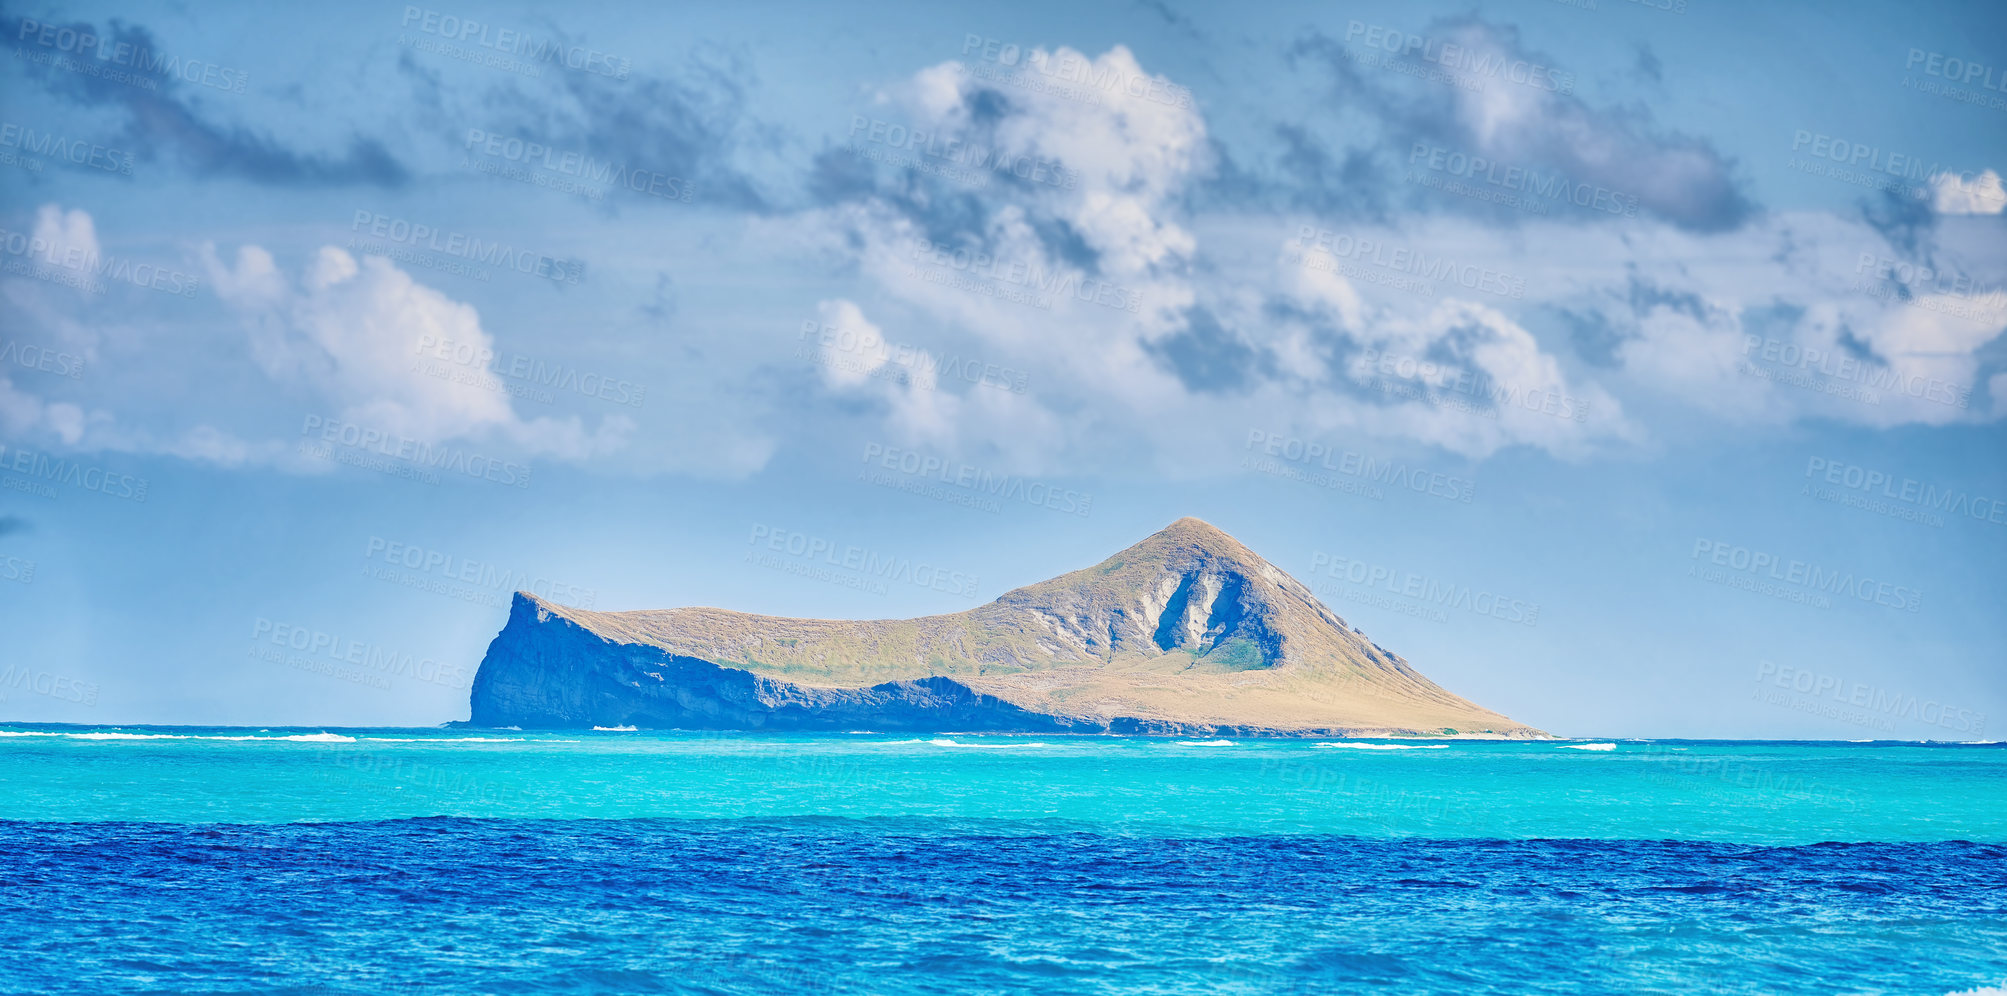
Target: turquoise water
{"x":339,"y":861}
{"x":1745,"y":792}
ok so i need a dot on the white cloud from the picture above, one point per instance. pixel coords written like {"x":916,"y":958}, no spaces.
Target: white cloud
{"x":359,"y":334}
{"x":66,"y":239}
{"x":1125,"y":154}
{"x":22,"y":413}
{"x":851,"y":349}
{"x":334,"y":335}
{"x":988,"y":416}
{"x":1614,"y":331}
{"x":1101,"y":389}
{"x":1980,"y":194}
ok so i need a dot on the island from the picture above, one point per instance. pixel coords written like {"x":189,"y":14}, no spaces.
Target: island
{"x":1186,"y":633}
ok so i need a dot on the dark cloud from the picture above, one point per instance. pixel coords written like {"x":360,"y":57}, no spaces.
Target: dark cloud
{"x":1207,"y":357}
{"x":1595,"y":338}
{"x":1780,"y":320}
{"x":1677,"y":177}
{"x":1598,"y":335}
{"x":1325,"y":336}
{"x":427,"y":87}
{"x":1777,"y":320}
{"x":1648,"y":66}
{"x":1645,"y":296}
{"x":1905,"y":221}
{"x":1171,"y":18}
{"x":838,"y":175}
{"x":160,"y":116}
{"x":1316,"y":179}
{"x":950,"y":209}
{"x":692,"y":126}
{"x":943,"y":212}
{"x":1857,"y":347}
{"x":662,"y":305}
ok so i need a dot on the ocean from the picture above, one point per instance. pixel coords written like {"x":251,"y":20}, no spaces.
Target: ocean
{"x":332,"y":861}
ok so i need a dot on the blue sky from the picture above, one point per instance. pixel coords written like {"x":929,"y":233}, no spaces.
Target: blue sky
{"x":1630,"y":370}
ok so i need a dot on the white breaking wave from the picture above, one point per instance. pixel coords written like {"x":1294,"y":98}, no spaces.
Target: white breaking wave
{"x":1587,"y":747}
{"x":952,"y":742}
{"x":1205,"y":743}
{"x":94,"y":736}
{"x":1387,"y":746}
{"x":449,"y":740}
{"x":616,"y":729}
{"x":323,"y":737}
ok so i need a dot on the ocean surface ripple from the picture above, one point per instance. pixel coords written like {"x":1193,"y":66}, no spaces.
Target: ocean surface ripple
{"x":460,"y":906}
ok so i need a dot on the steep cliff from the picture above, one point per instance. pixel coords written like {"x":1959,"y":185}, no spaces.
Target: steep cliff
{"x":1187,"y":632}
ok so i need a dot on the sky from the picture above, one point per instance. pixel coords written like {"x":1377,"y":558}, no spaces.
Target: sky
{"x":1632,"y":367}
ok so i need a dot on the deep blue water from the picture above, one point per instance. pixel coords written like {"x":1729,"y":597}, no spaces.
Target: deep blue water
{"x":317,"y":863}
{"x":458,"y":906}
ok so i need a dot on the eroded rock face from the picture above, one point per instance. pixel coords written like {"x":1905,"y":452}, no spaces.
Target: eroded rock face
{"x":1185,"y":632}
{"x":545,"y":671}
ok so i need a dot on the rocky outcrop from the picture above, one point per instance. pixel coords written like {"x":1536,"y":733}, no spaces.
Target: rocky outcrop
{"x":1187,"y":632}
{"x":548,"y":671}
